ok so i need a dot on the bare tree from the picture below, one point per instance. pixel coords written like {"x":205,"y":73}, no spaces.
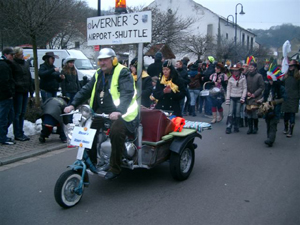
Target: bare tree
{"x":225,"y":49}
{"x":36,"y":19}
{"x":74,"y":28}
{"x":168,"y":27}
{"x":197,"y":44}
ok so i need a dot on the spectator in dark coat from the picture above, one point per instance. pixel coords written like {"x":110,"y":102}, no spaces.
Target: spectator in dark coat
{"x":70,"y":85}
{"x":146,"y":83}
{"x":155,"y":69}
{"x":274,"y":95}
{"x":7,"y":91}
{"x":194,"y":86}
{"x":185,"y":77}
{"x":23,"y":86}
{"x":52,"y":109}
{"x":210,"y":62}
{"x":185,"y":62}
{"x":169,"y":90}
{"x":50,"y":77}
{"x":263,"y":71}
{"x":255,"y":90}
{"x":291,"y":105}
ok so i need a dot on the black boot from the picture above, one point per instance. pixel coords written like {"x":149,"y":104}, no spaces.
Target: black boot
{"x":250,"y":124}
{"x":229,"y":125}
{"x":269,"y":143}
{"x":45,"y":132}
{"x":246,"y":121}
{"x":286,"y":127}
{"x":241,"y":122}
{"x":255,"y":129}
{"x":193,"y":110}
{"x":290,"y":134}
{"x":236,"y":124}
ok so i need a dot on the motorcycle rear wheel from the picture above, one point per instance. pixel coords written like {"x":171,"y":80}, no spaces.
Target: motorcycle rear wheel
{"x":181,"y":164}
{"x":64,"y":192}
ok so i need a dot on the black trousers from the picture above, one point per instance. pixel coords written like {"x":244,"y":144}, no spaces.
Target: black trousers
{"x":271,"y":128}
{"x":117,"y":137}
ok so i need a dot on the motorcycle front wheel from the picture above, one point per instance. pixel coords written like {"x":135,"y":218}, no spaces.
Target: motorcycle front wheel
{"x":64,"y":190}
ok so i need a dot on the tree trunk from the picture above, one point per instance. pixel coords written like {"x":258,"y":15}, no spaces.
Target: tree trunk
{"x":36,"y":74}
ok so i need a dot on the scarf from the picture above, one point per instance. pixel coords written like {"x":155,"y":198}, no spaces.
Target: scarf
{"x":173,"y":86}
{"x":237,"y":79}
{"x":144,"y":74}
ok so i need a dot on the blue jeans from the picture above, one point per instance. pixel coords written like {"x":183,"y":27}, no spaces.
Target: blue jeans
{"x":235,"y":107}
{"x":45,"y":95}
{"x":208,"y":105}
{"x":6,"y":117}
{"x":20,"y":104}
{"x":194,"y":94}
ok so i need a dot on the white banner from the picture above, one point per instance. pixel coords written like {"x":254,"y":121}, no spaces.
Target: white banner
{"x":83,"y":137}
{"x":120,"y":29}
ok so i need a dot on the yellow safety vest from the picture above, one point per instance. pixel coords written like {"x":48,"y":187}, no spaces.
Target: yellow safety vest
{"x":132,"y":110}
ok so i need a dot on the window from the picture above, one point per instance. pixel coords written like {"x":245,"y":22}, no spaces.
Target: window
{"x":247,"y":42}
{"x":77,"y":44}
{"x":210,"y":30}
{"x":243,"y":40}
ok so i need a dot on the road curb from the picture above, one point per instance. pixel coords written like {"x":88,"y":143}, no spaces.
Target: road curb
{"x":32,"y":153}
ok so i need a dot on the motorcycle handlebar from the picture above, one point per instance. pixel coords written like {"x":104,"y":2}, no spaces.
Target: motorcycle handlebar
{"x":95,"y":114}
{"x":101,"y":115}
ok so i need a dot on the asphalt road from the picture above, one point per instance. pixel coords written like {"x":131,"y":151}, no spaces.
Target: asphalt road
{"x":236,"y":180}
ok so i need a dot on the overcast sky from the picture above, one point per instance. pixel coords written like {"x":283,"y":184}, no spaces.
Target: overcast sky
{"x":260,"y":14}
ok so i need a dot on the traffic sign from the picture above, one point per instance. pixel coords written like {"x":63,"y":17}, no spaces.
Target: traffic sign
{"x":120,"y":29}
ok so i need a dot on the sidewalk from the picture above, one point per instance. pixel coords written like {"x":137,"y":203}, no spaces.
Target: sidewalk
{"x":26,"y":149}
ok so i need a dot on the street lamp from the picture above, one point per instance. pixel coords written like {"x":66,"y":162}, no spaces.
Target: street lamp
{"x":242,"y":13}
{"x":235,"y":24}
{"x":227,"y":24}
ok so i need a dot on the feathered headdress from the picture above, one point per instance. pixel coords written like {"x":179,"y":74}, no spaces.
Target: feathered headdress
{"x":274,"y":73}
{"x":250,"y":59}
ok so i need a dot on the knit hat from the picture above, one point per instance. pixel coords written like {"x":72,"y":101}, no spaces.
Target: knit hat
{"x":167,"y":63}
{"x":194,"y":67}
{"x":7,"y":51}
{"x":211,"y":59}
{"x":134,"y":62}
{"x":158,"y":56}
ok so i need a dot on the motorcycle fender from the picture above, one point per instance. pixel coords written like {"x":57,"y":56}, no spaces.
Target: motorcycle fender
{"x":75,"y":167}
{"x":179,"y":143}
{"x":79,"y":169}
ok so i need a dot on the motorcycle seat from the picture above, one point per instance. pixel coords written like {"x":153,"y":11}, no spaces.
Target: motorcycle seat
{"x":155,"y":124}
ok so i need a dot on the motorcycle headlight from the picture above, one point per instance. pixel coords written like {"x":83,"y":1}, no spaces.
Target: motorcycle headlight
{"x":86,"y":111}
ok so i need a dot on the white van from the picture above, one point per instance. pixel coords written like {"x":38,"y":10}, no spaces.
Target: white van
{"x":82,"y":63}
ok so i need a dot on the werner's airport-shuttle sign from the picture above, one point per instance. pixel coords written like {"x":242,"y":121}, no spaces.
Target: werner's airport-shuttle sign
{"x":120,"y":29}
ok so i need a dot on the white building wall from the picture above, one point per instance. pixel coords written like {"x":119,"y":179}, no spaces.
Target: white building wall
{"x":204,"y":18}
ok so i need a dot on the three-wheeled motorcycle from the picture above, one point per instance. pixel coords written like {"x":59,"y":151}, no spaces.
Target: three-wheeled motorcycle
{"x":155,"y":143}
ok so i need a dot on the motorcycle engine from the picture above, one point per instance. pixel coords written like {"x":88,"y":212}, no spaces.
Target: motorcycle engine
{"x":130,"y":150}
